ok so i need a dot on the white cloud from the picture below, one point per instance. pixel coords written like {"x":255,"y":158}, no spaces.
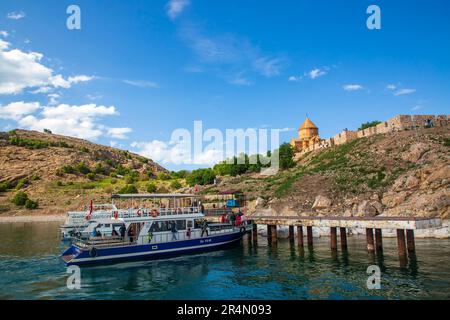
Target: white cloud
{"x":239,"y":79}
{"x":315,"y":73}
{"x":417,"y":107}
{"x":141,"y":83}
{"x":352,"y":87}
{"x":119,"y":133}
{"x":16,"y":15}
{"x":53,"y":98}
{"x":391,"y":87}
{"x":17,"y":110}
{"x":76,"y":121}
{"x":176,"y":153}
{"x":21,"y":70}
{"x":176,"y":7}
{"x":295,"y":78}
{"x":268,"y":67}
{"x":405,"y":91}
{"x":4,"y":33}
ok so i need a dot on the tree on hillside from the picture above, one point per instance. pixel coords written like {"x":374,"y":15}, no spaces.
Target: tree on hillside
{"x":201,"y":177}
{"x":286,"y":154}
{"x":369,"y":125}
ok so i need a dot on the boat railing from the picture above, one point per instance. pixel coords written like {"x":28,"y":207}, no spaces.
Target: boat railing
{"x":217,"y":212}
{"x":165,"y":237}
{"x":138,"y":213}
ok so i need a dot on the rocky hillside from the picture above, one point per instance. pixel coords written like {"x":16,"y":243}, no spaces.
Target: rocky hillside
{"x":63,"y":173}
{"x":397,"y":174}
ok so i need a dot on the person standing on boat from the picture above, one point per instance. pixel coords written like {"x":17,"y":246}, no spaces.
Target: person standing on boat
{"x":122,"y":231}
{"x":174,"y":230}
{"x":131,"y":234}
{"x":205,"y":228}
{"x":188,"y":233}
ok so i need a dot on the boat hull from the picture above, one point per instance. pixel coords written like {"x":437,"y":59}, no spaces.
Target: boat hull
{"x":83,"y":257}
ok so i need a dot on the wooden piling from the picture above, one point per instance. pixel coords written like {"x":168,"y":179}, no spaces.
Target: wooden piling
{"x":401,"y":242}
{"x":269,"y":231}
{"x":300,"y":236}
{"x":410,"y":241}
{"x":370,"y":241}
{"x":255,"y":232}
{"x":291,"y":236}
{"x":343,"y":234}
{"x":333,"y":236}
{"x":379,"y":239}
{"x":274,"y":234}
{"x":309,"y":234}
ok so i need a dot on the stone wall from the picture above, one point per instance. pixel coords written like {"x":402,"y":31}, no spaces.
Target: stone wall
{"x":398,"y":123}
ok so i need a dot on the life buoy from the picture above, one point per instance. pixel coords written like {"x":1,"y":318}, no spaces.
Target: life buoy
{"x":93,"y":252}
{"x":154,"y":213}
{"x":139,"y":212}
{"x":116,"y":215}
{"x":88,"y":217}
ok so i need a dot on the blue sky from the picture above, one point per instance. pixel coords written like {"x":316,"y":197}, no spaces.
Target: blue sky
{"x":138,"y":69}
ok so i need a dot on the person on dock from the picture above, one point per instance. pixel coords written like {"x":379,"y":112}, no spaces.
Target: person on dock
{"x":150,"y":236}
{"x":205,"y":228}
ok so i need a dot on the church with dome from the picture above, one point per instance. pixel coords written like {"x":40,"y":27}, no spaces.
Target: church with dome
{"x":308,"y":135}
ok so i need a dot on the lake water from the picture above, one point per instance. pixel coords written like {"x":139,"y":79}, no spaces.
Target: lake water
{"x":30,"y":269}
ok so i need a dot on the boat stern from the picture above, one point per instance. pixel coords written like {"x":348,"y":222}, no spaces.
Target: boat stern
{"x":70,"y":254}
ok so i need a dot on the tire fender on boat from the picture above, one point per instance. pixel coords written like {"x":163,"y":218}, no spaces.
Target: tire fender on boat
{"x":93,"y":252}
{"x":242,"y":230}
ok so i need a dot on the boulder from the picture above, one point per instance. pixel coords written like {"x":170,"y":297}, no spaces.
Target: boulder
{"x":415,"y":152}
{"x":260,"y":203}
{"x":369,"y":209}
{"x":411,"y":183}
{"x":321,"y":202}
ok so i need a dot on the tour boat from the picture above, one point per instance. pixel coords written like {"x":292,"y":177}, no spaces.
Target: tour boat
{"x":167,"y":225}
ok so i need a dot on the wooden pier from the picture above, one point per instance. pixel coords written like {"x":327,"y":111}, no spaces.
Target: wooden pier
{"x":405,"y":227}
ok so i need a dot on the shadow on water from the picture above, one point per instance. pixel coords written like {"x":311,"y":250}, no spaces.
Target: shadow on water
{"x":264,"y":270}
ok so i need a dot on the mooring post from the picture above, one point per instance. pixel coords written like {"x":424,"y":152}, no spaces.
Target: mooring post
{"x":379,"y":239}
{"x":333,"y":235}
{"x":401,"y":242}
{"x":309,"y":234}
{"x":291,"y":233}
{"x":343,"y":233}
{"x":300,"y":236}
{"x":370,"y":242}
{"x":255,"y":232}
{"x":410,"y":241}
{"x":269,"y":232}
{"x":274,"y":233}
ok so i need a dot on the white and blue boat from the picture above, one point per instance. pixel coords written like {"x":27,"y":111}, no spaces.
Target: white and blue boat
{"x":175,"y":225}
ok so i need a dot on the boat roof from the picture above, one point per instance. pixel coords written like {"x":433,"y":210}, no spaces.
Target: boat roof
{"x":152,"y":195}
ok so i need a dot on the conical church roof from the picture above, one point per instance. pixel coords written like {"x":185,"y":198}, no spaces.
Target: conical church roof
{"x":308,"y":124}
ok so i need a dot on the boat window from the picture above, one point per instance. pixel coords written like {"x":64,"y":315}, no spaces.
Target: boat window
{"x":189,"y":224}
{"x":181,"y":224}
{"x":107,"y":225}
{"x":197,"y":223}
{"x":159,"y":226}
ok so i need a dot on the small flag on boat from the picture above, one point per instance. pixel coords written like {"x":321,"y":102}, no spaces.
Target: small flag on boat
{"x":91,"y":208}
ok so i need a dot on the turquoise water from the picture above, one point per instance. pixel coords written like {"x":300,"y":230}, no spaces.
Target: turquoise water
{"x":30,"y":269}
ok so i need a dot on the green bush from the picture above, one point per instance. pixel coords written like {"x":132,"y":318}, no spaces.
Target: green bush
{"x":91,"y":176}
{"x":68,"y":169}
{"x":286,"y":154}
{"x":201,"y":177}
{"x":22,"y":183}
{"x":59,"y":183}
{"x":369,"y":125}
{"x":151,"y":188}
{"x":85,"y":150}
{"x":20,"y":198}
{"x":113,"y":181}
{"x":121,"y":170}
{"x":35,"y":178}
{"x":175,"y":185}
{"x":31,"y":205}
{"x":4,"y":187}
{"x":163,"y":176}
{"x":99,"y":169}
{"x":82,"y":168}
{"x":182,"y":174}
{"x":131,"y":188}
